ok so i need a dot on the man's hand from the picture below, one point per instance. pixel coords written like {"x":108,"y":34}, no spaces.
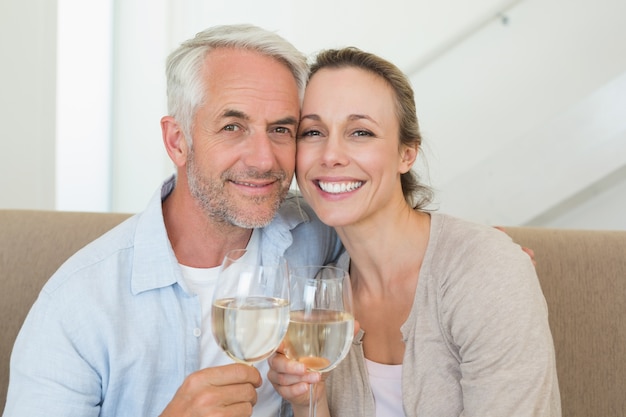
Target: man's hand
{"x":228,"y":391}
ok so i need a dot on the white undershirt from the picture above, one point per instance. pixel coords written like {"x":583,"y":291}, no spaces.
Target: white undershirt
{"x":386,"y":384}
{"x":201,"y":281}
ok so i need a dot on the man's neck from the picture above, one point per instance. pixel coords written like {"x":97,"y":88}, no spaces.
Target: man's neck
{"x":197,"y":240}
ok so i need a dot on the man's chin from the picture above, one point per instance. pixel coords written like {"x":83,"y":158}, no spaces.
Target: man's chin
{"x":255,"y":218}
{"x":248,"y":223}
{"x":252,"y":213}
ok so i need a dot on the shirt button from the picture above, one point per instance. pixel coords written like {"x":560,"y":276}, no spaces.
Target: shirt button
{"x":197,"y":332}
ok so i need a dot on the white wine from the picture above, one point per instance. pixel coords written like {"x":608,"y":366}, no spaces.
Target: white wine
{"x":250,"y":329}
{"x":319,"y":338}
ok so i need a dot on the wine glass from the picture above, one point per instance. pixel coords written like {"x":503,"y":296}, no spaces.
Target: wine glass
{"x":321,"y":324}
{"x":250,"y":309}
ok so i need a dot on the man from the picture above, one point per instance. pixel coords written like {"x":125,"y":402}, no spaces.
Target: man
{"x":121,"y":328}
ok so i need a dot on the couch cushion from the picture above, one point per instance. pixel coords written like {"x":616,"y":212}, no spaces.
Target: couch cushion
{"x":33,"y":244}
{"x":583,"y":277}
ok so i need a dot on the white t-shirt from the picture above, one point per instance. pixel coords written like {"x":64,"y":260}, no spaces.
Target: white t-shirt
{"x":201,"y":281}
{"x":386,"y":384}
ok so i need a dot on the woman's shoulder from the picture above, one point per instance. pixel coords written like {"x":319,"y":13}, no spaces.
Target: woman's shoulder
{"x":460,"y":245}
{"x":451,"y":230}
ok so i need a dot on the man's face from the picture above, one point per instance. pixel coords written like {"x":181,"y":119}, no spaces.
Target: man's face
{"x":243,"y":156}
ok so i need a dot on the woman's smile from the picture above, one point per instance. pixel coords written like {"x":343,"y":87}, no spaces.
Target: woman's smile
{"x":339,"y":187}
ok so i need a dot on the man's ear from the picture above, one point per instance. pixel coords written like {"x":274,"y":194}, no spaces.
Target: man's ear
{"x":408,"y":155}
{"x":174,"y":140}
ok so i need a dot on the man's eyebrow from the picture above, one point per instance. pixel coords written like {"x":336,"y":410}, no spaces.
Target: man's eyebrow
{"x":235,"y":113}
{"x":238,"y":114}
{"x":286,"y":121}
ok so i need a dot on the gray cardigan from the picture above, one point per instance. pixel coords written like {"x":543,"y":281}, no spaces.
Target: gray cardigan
{"x":477,"y":338}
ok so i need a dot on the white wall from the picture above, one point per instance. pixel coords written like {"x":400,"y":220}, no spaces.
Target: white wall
{"x":600,"y":206}
{"x":27,"y":103}
{"x":141,"y":43}
{"x":497,"y":83}
{"x":83,"y":105}
{"x":522,"y":116}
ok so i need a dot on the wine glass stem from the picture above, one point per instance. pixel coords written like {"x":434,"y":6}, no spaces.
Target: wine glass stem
{"x":312,"y":400}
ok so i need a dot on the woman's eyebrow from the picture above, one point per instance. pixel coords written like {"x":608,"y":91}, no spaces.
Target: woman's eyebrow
{"x":353,"y":117}
{"x":315,"y":117}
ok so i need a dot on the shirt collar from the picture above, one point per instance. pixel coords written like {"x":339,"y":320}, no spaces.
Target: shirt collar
{"x":154,"y":263}
{"x":153,"y":250}
{"x":276,"y":237}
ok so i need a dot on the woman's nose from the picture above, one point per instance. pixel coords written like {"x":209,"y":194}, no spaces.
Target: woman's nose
{"x":335,"y":152}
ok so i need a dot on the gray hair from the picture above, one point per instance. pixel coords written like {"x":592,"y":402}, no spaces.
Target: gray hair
{"x":185,"y":88}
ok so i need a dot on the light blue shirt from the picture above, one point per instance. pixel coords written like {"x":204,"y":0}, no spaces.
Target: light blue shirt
{"x":114,"y":332}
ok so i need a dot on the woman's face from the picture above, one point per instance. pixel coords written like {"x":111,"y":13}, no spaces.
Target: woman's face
{"x":349,"y":160}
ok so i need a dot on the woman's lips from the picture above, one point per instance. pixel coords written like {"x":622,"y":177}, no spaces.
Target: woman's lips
{"x":339,"y":187}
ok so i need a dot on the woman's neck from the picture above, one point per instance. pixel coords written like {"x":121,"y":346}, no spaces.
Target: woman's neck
{"x":387,"y":249}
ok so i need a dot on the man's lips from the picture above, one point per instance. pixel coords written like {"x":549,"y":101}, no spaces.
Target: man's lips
{"x":256,"y":187}
{"x":254,"y":184}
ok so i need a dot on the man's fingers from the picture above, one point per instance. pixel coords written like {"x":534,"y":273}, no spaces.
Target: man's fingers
{"x":226,"y":391}
{"x":235,"y":373}
{"x":230,"y":395}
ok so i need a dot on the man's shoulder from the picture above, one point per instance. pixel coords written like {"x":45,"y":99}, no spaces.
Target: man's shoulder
{"x":311,"y":242}
{"x":96,"y":257}
{"x":294,"y":198}
{"x":295,"y":210}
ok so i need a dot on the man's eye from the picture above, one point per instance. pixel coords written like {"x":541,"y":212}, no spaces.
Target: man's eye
{"x":231,"y":128}
{"x":283,"y":130}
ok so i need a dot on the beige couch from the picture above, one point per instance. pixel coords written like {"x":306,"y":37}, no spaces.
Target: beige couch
{"x":583,"y":275}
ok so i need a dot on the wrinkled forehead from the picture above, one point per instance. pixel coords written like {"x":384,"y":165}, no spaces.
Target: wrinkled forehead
{"x":249,"y":79}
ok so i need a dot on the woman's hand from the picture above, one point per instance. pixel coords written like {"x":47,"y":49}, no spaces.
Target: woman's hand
{"x":291,"y":379}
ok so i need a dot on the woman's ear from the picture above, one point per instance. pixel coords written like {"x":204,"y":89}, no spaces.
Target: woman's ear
{"x":408,"y":155}
{"x":174,"y":140}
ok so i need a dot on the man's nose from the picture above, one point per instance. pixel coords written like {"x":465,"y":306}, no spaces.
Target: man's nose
{"x":260,"y":152}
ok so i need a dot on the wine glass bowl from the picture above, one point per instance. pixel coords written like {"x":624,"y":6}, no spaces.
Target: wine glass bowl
{"x":250,"y":309}
{"x":321,"y":325}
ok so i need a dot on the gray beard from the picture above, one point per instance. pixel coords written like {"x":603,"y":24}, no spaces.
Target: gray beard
{"x":214,"y":201}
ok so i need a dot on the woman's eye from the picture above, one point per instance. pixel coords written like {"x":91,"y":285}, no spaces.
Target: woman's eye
{"x":362,"y":133}
{"x":308,"y":133}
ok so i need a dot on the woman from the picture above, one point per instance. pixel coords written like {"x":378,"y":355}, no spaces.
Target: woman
{"x":453,"y":320}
